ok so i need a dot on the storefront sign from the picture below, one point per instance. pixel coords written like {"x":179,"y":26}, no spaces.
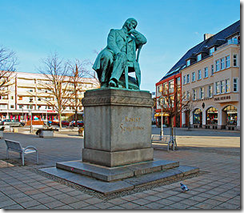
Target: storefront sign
{"x":222,"y":98}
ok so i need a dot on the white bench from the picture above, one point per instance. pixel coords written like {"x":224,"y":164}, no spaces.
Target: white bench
{"x":15,"y":146}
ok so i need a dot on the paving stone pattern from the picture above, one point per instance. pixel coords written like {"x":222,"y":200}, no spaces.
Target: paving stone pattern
{"x":217,"y":186}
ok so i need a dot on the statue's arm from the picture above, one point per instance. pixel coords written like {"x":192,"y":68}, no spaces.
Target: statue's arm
{"x":140,"y":39}
{"x":111,"y":42}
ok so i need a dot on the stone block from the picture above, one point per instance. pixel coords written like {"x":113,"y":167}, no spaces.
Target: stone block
{"x":118,"y":158}
{"x":46,"y":134}
{"x":118,"y":126}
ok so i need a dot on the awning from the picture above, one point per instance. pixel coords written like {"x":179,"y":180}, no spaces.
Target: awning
{"x":160,"y":114}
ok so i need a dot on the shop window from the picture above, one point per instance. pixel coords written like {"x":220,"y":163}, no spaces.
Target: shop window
{"x":212,"y":116}
{"x":231,"y":112}
{"x":197,"y":116}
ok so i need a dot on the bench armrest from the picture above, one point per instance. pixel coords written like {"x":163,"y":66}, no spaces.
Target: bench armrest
{"x":29,"y":147}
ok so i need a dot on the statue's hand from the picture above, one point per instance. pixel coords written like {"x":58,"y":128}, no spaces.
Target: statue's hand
{"x":121,"y":55}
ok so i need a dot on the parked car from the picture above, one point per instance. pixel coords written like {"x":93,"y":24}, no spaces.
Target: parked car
{"x":79,"y":123}
{"x":65,"y":123}
{"x":12,"y":122}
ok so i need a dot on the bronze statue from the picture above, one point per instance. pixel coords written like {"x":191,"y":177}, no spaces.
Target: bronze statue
{"x":119,"y":58}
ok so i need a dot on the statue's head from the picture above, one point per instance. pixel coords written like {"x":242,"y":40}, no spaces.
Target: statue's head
{"x":130,"y":23}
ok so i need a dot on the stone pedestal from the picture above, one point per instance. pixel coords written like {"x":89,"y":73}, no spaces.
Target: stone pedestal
{"x":118,"y":127}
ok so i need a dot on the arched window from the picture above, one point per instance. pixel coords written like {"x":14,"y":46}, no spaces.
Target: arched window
{"x":197,"y":116}
{"x":212,"y":116}
{"x":231,"y":115}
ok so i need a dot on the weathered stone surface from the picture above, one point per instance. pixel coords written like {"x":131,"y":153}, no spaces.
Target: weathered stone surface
{"x":90,"y":183}
{"x":121,"y":185}
{"x":118,"y":158}
{"x":115,"y":173}
{"x":96,"y":171}
{"x":118,"y":126}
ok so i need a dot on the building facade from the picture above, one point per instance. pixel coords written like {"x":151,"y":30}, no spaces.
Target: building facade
{"x":210,"y":74}
{"x":167,"y":86}
{"x":25,"y":95}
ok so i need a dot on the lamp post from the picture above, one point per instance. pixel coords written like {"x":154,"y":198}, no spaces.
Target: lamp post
{"x":162,"y":123}
{"x":30,"y":113}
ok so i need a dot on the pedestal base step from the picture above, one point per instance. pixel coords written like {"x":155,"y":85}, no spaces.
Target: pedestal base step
{"x":116,"y":173}
{"x":107,"y":188}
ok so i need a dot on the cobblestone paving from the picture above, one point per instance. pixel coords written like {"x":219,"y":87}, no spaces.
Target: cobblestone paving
{"x":217,"y":187}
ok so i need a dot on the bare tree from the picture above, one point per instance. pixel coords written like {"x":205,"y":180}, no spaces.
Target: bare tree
{"x":56,"y":73}
{"x":8,"y":61}
{"x":174,"y":103}
{"x":78,"y":71}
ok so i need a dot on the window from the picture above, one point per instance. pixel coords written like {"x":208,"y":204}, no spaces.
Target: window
{"x":193,"y":77}
{"x":20,"y":98}
{"x":235,"y":84}
{"x":12,"y":106}
{"x":199,"y":57}
{"x":199,"y":75}
{"x":178,"y":81}
{"x":210,"y":91}
{"x":205,"y":72}
{"x":217,"y":90}
{"x":222,"y":86}
{"x":212,"y":69}
{"x":20,"y":106}
{"x":31,"y":99}
{"x":171,"y":86}
{"x":188,"y":79}
{"x":12,"y":97}
{"x":201,"y":93}
{"x":211,"y":51}
{"x":184,"y":79}
{"x":194,"y":92}
{"x":188,"y":62}
{"x":187,"y":95}
{"x":165,"y":88}
{"x":217,"y":65}
{"x":222,"y":63}
{"x":31,"y":90}
{"x":235,"y":60}
{"x":159,"y":89}
{"x":227,"y":85}
{"x":227,"y":61}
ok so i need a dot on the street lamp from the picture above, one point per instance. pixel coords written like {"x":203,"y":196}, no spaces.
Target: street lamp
{"x":30,"y":113}
{"x":162,"y":123}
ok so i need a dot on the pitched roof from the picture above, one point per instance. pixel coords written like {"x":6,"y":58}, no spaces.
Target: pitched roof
{"x":216,"y":40}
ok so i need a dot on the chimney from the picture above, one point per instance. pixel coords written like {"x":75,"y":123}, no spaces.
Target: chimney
{"x":207,"y":36}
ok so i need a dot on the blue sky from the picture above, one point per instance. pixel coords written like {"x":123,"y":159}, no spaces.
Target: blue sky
{"x":75,"y":29}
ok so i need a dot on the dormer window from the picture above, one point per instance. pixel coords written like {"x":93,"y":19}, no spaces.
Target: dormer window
{"x":199,"y":57}
{"x":188,"y":62}
{"x":211,"y":51}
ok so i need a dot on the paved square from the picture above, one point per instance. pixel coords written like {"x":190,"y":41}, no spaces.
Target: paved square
{"x":216,"y":153}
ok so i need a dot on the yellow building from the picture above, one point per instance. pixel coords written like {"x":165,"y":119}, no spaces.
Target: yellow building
{"x":26,"y":94}
{"x":211,"y":78}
